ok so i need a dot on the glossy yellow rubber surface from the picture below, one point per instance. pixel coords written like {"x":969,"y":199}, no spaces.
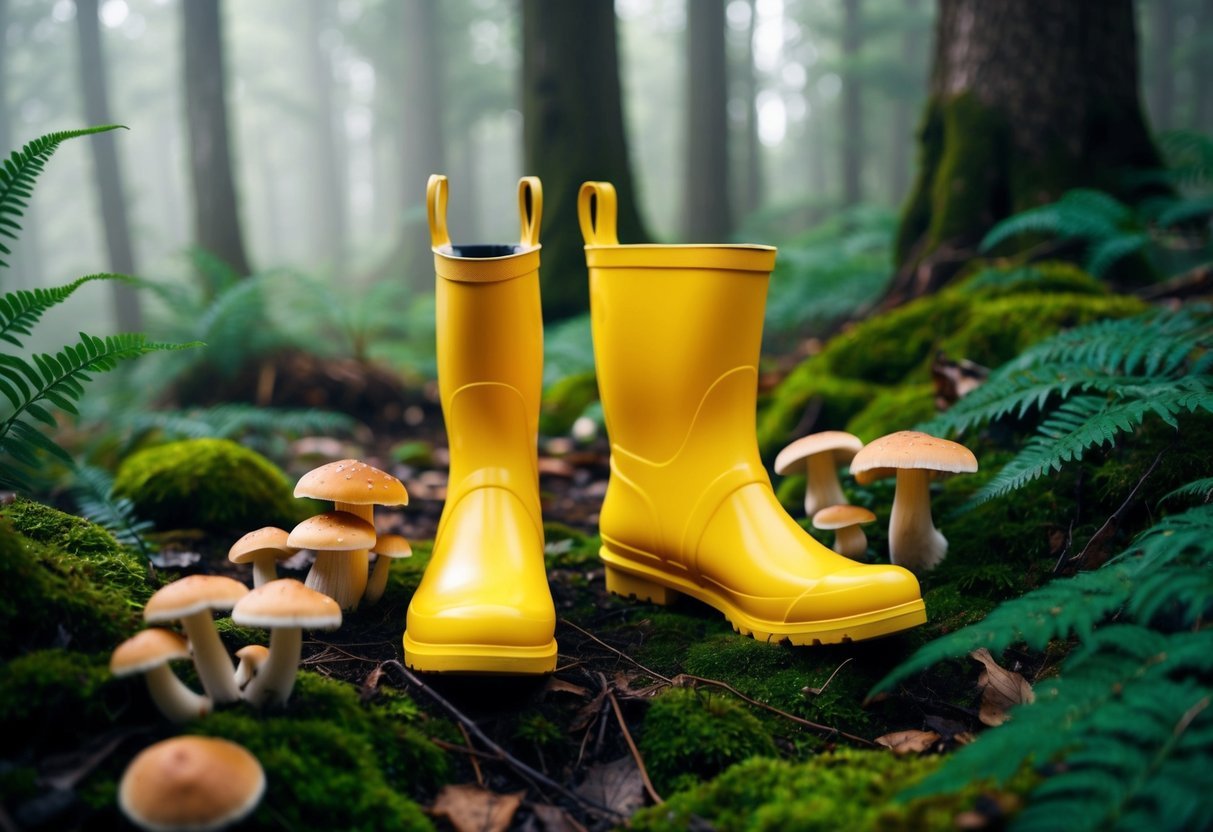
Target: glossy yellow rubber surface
{"x":484,"y":605}
{"x":689,"y":508}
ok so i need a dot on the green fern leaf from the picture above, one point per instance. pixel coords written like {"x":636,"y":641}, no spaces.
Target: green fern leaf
{"x":1079,"y":214}
{"x":1186,"y":210}
{"x":1201,"y":489}
{"x":93,"y":490}
{"x":1104,"y":254}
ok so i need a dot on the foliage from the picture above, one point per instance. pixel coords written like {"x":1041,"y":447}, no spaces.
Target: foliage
{"x":93,"y":491}
{"x":47,"y":696}
{"x":212,"y":484}
{"x":260,"y":428}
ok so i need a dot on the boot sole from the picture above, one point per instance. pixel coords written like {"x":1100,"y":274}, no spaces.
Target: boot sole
{"x":479,"y":658}
{"x":631,"y":580}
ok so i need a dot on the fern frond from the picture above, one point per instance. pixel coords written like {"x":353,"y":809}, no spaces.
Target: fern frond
{"x":1186,"y":209}
{"x":93,"y":490}
{"x":21,"y":309}
{"x":1079,"y":214}
{"x":228,"y":421}
{"x":19,"y":172}
{"x":1201,"y":489}
{"x":1104,"y":254}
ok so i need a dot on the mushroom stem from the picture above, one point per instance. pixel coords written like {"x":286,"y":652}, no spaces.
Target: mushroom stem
{"x":343,"y":575}
{"x":822,"y":488}
{"x":378,"y":581}
{"x":914,"y":542}
{"x":214,"y":665}
{"x":850,"y":541}
{"x":264,"y":569}
{"x":177,"y":702}
{"x":276,"y":677}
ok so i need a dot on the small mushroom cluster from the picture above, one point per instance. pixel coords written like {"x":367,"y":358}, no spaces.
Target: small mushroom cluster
{"x":913,"y":457}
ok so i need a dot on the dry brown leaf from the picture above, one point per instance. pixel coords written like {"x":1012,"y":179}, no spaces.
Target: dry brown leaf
{"x":617,"y":785}
{"x":557,"y":685}
{"x":555,"y":819}
{"x":1002,"y":689}
{"x":908,"y":742}
{"x":471,"y":808}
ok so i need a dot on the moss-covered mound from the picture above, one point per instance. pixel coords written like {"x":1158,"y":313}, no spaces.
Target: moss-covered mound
{"x":65,"y":581}
{"x":211,"y":484}
{"x":50,"y":697}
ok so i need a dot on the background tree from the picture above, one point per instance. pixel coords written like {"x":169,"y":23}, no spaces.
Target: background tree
{"x":330,"y":223}
{"x":216,"y":219}
{"x":573,"y":132}
{"x":707,"y":213}
{"x":421,"y":134}
{"x":750,"y":191}
{"x":901,"y":114}
{"x":1160,"y":72}
{"x":1041,"y":99}
{"x":852,"y":139}
{"x":107,"y":166}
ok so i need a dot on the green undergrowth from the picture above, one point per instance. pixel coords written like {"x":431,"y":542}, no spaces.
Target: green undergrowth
{"x":50,"y":698}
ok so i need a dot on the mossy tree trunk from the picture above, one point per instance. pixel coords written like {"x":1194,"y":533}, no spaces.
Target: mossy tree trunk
{"x":707,"y":214}
{"x":1027,"y":99}
{"x":573,"y":126}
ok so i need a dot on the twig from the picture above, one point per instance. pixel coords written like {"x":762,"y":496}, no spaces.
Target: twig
{"x":517,"y":765}
{"x":471,"y":757}
{"x":819,"y":691}
{"x":616,"y":651}
{"x":464,"y":749}
{"x":627,"y":736}
{"x":1097,"y":540}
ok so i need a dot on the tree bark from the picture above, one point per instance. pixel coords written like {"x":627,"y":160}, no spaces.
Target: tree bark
{"x":1161,"y":72}
{"x":573,"y":132}
{"x":899,"y":153}
{"x":1027,"y":99}
{"x":329,"y":212}
{"x":94,"y":88}
{"x":216,"y":219}
{"x":851,"y":138}
{"x":707,"y":214}
{"x":421,"y":136}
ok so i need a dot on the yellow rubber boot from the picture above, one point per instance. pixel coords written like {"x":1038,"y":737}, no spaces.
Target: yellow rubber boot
{"x":484,"y":605}
{"x":689,"y":507}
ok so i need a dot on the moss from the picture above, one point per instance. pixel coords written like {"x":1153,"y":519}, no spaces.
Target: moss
{"x":50,"y":698}
{"x":993,"y":281}
{"x":90,"y":597}
{"x":566,"y":400}
{"x":887,"y":348}
{"x":916,"y":214}
{"x":568,"y":548}
{"x":894,"y":409}
{"x":692,"y":735}
{"x":840,"y":399}
{"x":211,"y":484}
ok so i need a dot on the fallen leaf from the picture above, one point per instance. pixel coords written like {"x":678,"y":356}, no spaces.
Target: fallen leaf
{"x":555,"y":819}
{"x":908,"y":742}
{"x":557,"y":685}
{"x":1002,"y":689}
{"x":471,"y":808}
{"x":617,"y":785}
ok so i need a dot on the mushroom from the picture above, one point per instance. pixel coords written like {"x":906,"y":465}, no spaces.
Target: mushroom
{"x":191,"y":600}
{"x":914,"y":542}
{"x":194,"y":783}
{"x":251,"y":658}
{"x":149,"y":653}
{"x":845,"y":522}
{"x":264,"y":548}
{"x":285,"y":607}
{"x":355,"y":487}
{"x":388,"y":547}
{"x":336,"y":536}
{"x":819,"y":454}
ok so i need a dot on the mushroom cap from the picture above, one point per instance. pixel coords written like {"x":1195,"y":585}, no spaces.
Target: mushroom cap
{"x":841,"y":517}
{"x":192,"y":594}
{"x":333,"y":531}
{"x":911,"y":449}
{"x":147,"y":649}
{"x":254,"y":654}
{"x":195,"y":783}
{"x":392,"y":546}
{"x":287,"y":603}
{"x":351,"y":481}
{"x":269,"y":539}
{"x":844,"y":446}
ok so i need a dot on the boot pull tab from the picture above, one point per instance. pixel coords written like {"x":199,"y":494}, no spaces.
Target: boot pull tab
{"x":596,"y":210}
{"x":530,"y":209}
{"x":436,"y":195}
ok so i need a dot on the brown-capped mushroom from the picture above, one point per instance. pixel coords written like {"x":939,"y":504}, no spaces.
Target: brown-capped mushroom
{"x":819,"y":455}
{"x":191,"y":600}
{"x":149,"y":653}
{"x":914,"y":457}
{"x":338,"y":539}
{"x":251,"y":658}
{"x":845,"y":522}
{"x":387,"y":548}
{"x":263,"y":548}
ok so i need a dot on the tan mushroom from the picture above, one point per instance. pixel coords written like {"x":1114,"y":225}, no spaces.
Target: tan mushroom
{"x":338,"y":538}
{"x":285,"y":607}
{"x":191,"y":783}
{"x":387,"y":548}
{"x":819,"y":455}
{"x":263,"y":548}
{"x":191,"y":601}
{"x":355,"y":487}
{"x":915,"y":458}
{"x":149,"y":653}
{"x":251,"y":658}
{"x":845,"y":522}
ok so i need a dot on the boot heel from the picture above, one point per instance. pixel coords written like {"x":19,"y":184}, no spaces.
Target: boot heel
{"x":631,"y":586}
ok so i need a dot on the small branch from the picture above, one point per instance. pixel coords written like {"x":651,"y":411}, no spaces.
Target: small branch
{"x":472,"y":757}
{"x":819,"y":691}
{"x":627,"y":736}
{"x":617,"y":651}
{"x":1095,"y":548}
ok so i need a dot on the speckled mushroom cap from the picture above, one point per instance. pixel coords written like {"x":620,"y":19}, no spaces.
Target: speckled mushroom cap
{"x":351,"y":481}
{"x":195,"y":783}
{"x":843,"y":445}
{"x":392,"y":546}
{"x":841,"y":517}
{"x":269,"y":539}
{"x":911,"y":449}
{"x":287,"y":603}
{"x":192,"y":594}
{"x":147,"y":649}
{"x":333,"y":531}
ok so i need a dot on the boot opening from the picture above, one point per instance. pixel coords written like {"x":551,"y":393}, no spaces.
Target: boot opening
{"x":482,"y":251}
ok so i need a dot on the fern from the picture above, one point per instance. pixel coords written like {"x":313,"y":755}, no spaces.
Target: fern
{"x":22,"y":309}
{"x":257,"y":427}
{"x":93,"y":491}
{"x":1201,"y":489}
{"x":19,"y":172}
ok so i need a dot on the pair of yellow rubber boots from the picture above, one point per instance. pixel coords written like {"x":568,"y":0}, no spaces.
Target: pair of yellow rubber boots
{"x":689,"y":508}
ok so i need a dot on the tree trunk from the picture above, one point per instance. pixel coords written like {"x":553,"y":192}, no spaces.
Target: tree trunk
{"x":706,"y":208}
{"x":94,"y":87}
{"x":421,"y":135}
{"x":1161,"y":72}
{"x":899,"y":153}
{"x":1027,"y":99}
{"x":1202,"y":71}
{"x":329,"y":212}
{"x":573,"y":132}
{"x":216,"y":221}
{"x":851,"y":138}
{"x":752,"y":188}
